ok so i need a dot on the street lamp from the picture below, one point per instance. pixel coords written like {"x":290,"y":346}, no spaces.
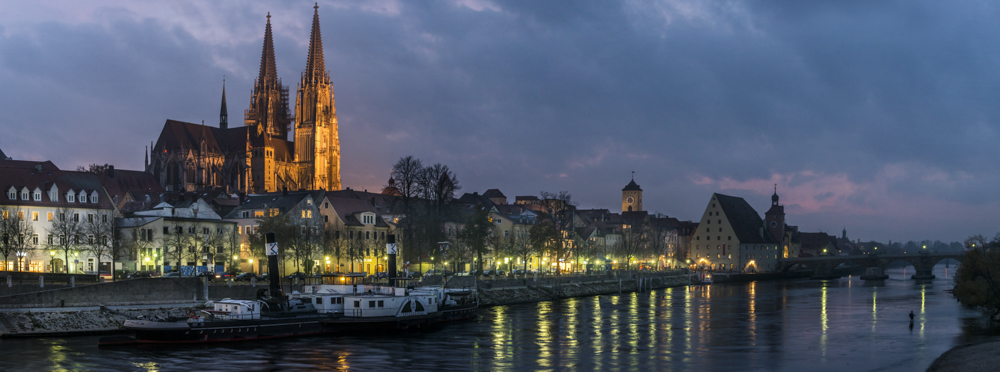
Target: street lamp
{"x":52,"y":259}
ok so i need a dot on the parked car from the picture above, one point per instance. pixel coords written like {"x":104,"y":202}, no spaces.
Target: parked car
{"x":223,"y":275}
{"x":206,"y":274}
{"x":516,"y":272}
{"x":172,"y":274}
{"x":138,"y":274}
{"x":414,"y":275}
{"x":296,"y":275}
{"x":244,"y":277}
{"x":262,"y":277}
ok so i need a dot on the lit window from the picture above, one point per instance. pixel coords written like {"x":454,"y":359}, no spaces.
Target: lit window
{"x":258,"y":213}
{"x":34,"y":216}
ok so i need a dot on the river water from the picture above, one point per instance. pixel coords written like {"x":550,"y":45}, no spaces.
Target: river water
{"x":799,"y":325}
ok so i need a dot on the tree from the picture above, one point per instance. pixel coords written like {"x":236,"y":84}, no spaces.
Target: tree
{"x":521,"y":247}
{"x":64,"y":232}
{"x":977,"y":279}
{"x":544,"y":237}
{"x":100,"y":230}
{"x":95,"y":168}
{"x":16,"y":235}
{"x":560,"y":208}
{"x":283,"y":230}
{"x":174,"y":243}
{"x":475,"y":232}
{"x":635,"y":239}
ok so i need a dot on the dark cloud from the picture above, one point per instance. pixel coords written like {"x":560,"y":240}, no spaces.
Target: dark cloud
{"x":881,"y":104}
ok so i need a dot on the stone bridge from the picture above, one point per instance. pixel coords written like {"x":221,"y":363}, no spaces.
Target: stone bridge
{"x":874,"y":264}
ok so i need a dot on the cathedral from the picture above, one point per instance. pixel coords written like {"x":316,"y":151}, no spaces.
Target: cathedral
{"x":259,"y":156}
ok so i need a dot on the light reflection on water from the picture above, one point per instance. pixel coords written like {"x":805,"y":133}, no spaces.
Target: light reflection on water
{"x":781,"y":326}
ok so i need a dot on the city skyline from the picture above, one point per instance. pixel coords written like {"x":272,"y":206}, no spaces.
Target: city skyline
{"x":873,"y":117}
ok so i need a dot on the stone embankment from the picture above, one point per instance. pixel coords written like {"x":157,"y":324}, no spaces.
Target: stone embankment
{"x":75,"y":322}
{"x":512,"y":291}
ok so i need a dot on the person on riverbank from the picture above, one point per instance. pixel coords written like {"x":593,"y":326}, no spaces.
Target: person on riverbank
{"x":911,"y":316}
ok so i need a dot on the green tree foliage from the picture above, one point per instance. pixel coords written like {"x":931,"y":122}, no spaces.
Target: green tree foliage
{"x":977,"y":280}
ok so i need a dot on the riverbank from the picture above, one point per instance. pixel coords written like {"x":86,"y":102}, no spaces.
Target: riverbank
{"x":525,"y":291}
{"x":56,"y":322}
{"x":969,"y":358}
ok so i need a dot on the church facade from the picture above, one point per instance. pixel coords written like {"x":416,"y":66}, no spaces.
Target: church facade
{"x":259,"y":156}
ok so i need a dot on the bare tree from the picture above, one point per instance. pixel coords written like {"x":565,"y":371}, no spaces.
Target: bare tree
{"x":977,"y":280}
{"x":635,"y":239}
{"x":64,"y":232}
{"x":100,"y":230}
{"x":521,"y":247}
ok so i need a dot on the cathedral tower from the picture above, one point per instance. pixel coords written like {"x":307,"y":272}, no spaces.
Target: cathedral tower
{"x":317,"y":142}
{"x":268,"y":112}
{"x":632,"y":197}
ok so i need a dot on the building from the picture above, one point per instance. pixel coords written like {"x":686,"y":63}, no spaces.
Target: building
{"x":259,"y":157}
{"x":54,"y":220}
{"x":732,"y":237}
{"x":164,"y":241}
{"x":632,"y":197}
{"x":301,"y":237}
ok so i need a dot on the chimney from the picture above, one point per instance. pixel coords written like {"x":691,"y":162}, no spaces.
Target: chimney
{"x":111,"y":171}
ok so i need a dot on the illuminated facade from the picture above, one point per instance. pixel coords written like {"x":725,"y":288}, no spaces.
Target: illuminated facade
{"x":732,"y":237}
{"x":259,"y":157}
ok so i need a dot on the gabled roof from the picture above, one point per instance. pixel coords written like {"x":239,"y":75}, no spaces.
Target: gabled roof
{"x":134,"y":185}
{"x":632,"y":186}
{"x":745,"y":221}
{"x":494,"y":193}
{"x":816,"y":240}
{"x":2,"y":155}
{"x":284,"y":202}
{"x":31,"y":178}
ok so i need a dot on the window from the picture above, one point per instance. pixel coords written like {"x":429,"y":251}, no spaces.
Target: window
{"x":76,"y":217}
{"x":506,"y":233}
{"x":258,"y":213}
{"x":48,"y":216}
{"x":51,"y":239}
{"x":730,"y":237}
{"x":166,"y":230}
{"x":12,"y":195}
{"x":34,"y":239}
{"x":326,"y":218}
{"x":272,"y":212}
{"x":499,"y":221}
{"x":309,"y":202}
{"x":24,"y":195}
{"x":383,"y":235}
{"x":90,"y":217}
{"x":371,"y":303}
{"x":62,"y":216}
{"x":357,"y":304}
{"x":104,"y":218}
{"x":246,"y":214}
{"x":326,"y":205}
{"x":93,"y":198}
{"x":191,"y":230}
{"x":708,"y":222}
{"x":204,"y":231}
{"x":381,"y":303}
{"x":20,"y":215}
{"x":368,"y":234}
{"x":70,"y":198}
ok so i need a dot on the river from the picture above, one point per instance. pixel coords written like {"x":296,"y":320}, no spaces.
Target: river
{"x":797,"y":325}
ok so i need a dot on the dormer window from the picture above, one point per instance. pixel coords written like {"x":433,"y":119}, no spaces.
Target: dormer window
{"x":12,"y":195}
{"x":368,"y":219}
{"x":93,"y":197}
{"x":70,"y":197}
{"x":24,"y":194}
{"x":38,"y":195}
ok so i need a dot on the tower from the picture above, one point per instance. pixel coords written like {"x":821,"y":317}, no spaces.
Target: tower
{"x":317,"y":142}
{"x":632,"y":196}
{"x":224,"y":111}
{"x":268,"y":112}
{"x":774,"y":219}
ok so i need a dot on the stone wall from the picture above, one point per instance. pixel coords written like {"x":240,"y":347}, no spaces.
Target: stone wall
{"x":511,"y":291}
{"x":127,"y":292}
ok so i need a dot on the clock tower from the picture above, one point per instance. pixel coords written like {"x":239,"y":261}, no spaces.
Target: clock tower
{"x":774,"y":219}
{"x":632,"y":197}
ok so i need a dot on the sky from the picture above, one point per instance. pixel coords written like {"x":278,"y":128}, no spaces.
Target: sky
{"x":877,"y":117}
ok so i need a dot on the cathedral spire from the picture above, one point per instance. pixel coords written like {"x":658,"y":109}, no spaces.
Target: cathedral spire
{"x":268,"y":71}
{"x":315,"y":67}
{"x":224,"y":111}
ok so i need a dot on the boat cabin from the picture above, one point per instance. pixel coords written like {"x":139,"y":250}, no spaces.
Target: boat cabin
{"x":229,"y":309}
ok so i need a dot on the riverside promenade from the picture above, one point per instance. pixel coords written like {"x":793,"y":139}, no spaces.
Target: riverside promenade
{"x":34,"y":311}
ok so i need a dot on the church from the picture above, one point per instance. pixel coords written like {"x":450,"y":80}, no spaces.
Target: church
{"x":259,"y":156}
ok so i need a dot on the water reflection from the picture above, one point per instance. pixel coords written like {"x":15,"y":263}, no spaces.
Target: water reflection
{"x":768,"y":326}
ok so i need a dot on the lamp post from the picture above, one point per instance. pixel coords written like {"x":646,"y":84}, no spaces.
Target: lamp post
{"x":52,"y":261}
